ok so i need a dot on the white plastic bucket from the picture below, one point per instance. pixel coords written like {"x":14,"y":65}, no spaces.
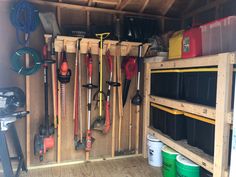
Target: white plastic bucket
{"x":154,"y":147}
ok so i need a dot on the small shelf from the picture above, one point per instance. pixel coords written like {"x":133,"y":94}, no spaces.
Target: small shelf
{"x":197,"y":109}
{"x":203,"y":61}
{"x":193,"y":153}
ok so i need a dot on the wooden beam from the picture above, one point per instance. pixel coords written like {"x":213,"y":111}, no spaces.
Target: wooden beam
{"x":110,"y":2}
{"x":97,"y":9}
{"x":197,"y":109}
{"x":123,"y":4}
{"x":144,"y":6}
{"x":146,"y":108}
{"x":204,"y":8}
{"x":223,"y":107}
{"x":166,"y":5}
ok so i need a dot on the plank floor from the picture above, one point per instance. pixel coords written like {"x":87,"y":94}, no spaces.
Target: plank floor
{"x":129,"y":167}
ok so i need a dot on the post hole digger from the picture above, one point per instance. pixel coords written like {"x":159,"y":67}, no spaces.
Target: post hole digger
{"x":45,"y":139}
{"x":88,"y":140}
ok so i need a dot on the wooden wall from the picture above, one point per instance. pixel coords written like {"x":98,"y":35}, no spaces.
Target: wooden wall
{"x":8,"y":78}
{"x":102,"y":145}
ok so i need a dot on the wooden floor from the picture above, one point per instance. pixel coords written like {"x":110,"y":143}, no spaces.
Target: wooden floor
{"x":129,"y":167}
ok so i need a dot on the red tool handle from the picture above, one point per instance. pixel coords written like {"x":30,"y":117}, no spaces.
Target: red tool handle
{"x":108,"y":120}
{"x":109,"y":60}
{"x":88,"y":146}
{"x":89,"y":62}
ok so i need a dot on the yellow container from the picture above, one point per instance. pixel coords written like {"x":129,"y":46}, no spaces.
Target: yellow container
{"x":175,"y":45}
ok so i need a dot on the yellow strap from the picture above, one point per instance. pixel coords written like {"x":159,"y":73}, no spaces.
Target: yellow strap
{"x":203,"y":119}
{"x":171,"y":111}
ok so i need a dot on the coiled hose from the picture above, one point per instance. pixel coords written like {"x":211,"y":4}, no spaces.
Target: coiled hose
{"x":18,"y":64}
{"x":25,"y":18}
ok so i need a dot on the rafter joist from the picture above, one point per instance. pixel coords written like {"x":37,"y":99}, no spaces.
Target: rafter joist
{"x":122,"y":4}
{"x":204,"y":8}
{"x":166,"y":5}
{"x":144,"y":6}
{"x":110,"y":2}
{"x":96,"y":9}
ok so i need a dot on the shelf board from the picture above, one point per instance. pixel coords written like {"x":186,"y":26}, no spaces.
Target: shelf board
{"x":193,"y":153}
{"x":197,"y":109}
{"x":211,"y":60}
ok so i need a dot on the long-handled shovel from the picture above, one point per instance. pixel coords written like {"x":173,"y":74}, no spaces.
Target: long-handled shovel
{"x":98,"y":124}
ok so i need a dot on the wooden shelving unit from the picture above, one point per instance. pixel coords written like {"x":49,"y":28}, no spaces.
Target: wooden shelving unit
{"x":222,"y":114}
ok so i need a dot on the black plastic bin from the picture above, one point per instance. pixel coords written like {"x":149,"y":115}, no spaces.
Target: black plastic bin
{"x":191,"y":131}
{"x":201,"y":132}
{"x":167,"y":83}
{"x":205,"y":173}
{"x":169,"y":121}
{"x":157,"y":119}
{"x":200,"y":85}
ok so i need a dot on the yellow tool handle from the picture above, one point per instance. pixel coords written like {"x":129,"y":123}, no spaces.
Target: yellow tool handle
{"x":102,"y":36}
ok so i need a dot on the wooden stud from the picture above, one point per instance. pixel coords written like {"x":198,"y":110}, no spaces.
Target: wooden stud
{"x":59,"y":116}
{"x":146,"y":109}
{"x":120,"y":101}
{"x":114,"y":89}
{"x":96,"y":9}
{"x":130,"y":125}
{"x":137,"y":112}
{"x":223,"y":107}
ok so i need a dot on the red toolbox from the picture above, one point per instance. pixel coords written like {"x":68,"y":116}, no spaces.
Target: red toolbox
{"x":192,"y":43}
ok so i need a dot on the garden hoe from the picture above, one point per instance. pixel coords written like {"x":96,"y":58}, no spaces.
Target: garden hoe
{"x":99,"y":123}
{"x":45,"y":139}
{"x":88,"y":140}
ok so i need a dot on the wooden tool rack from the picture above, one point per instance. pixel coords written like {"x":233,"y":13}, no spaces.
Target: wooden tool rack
{"x":69,"y":44}
{"x":222,"y":114}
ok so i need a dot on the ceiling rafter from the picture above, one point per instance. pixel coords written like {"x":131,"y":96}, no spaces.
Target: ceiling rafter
{"x":122,"y":4}
{"x":110,"y":2}
{"x":167,"y":4}
{"x":144,"y":5}
{"x":98,"y":9}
